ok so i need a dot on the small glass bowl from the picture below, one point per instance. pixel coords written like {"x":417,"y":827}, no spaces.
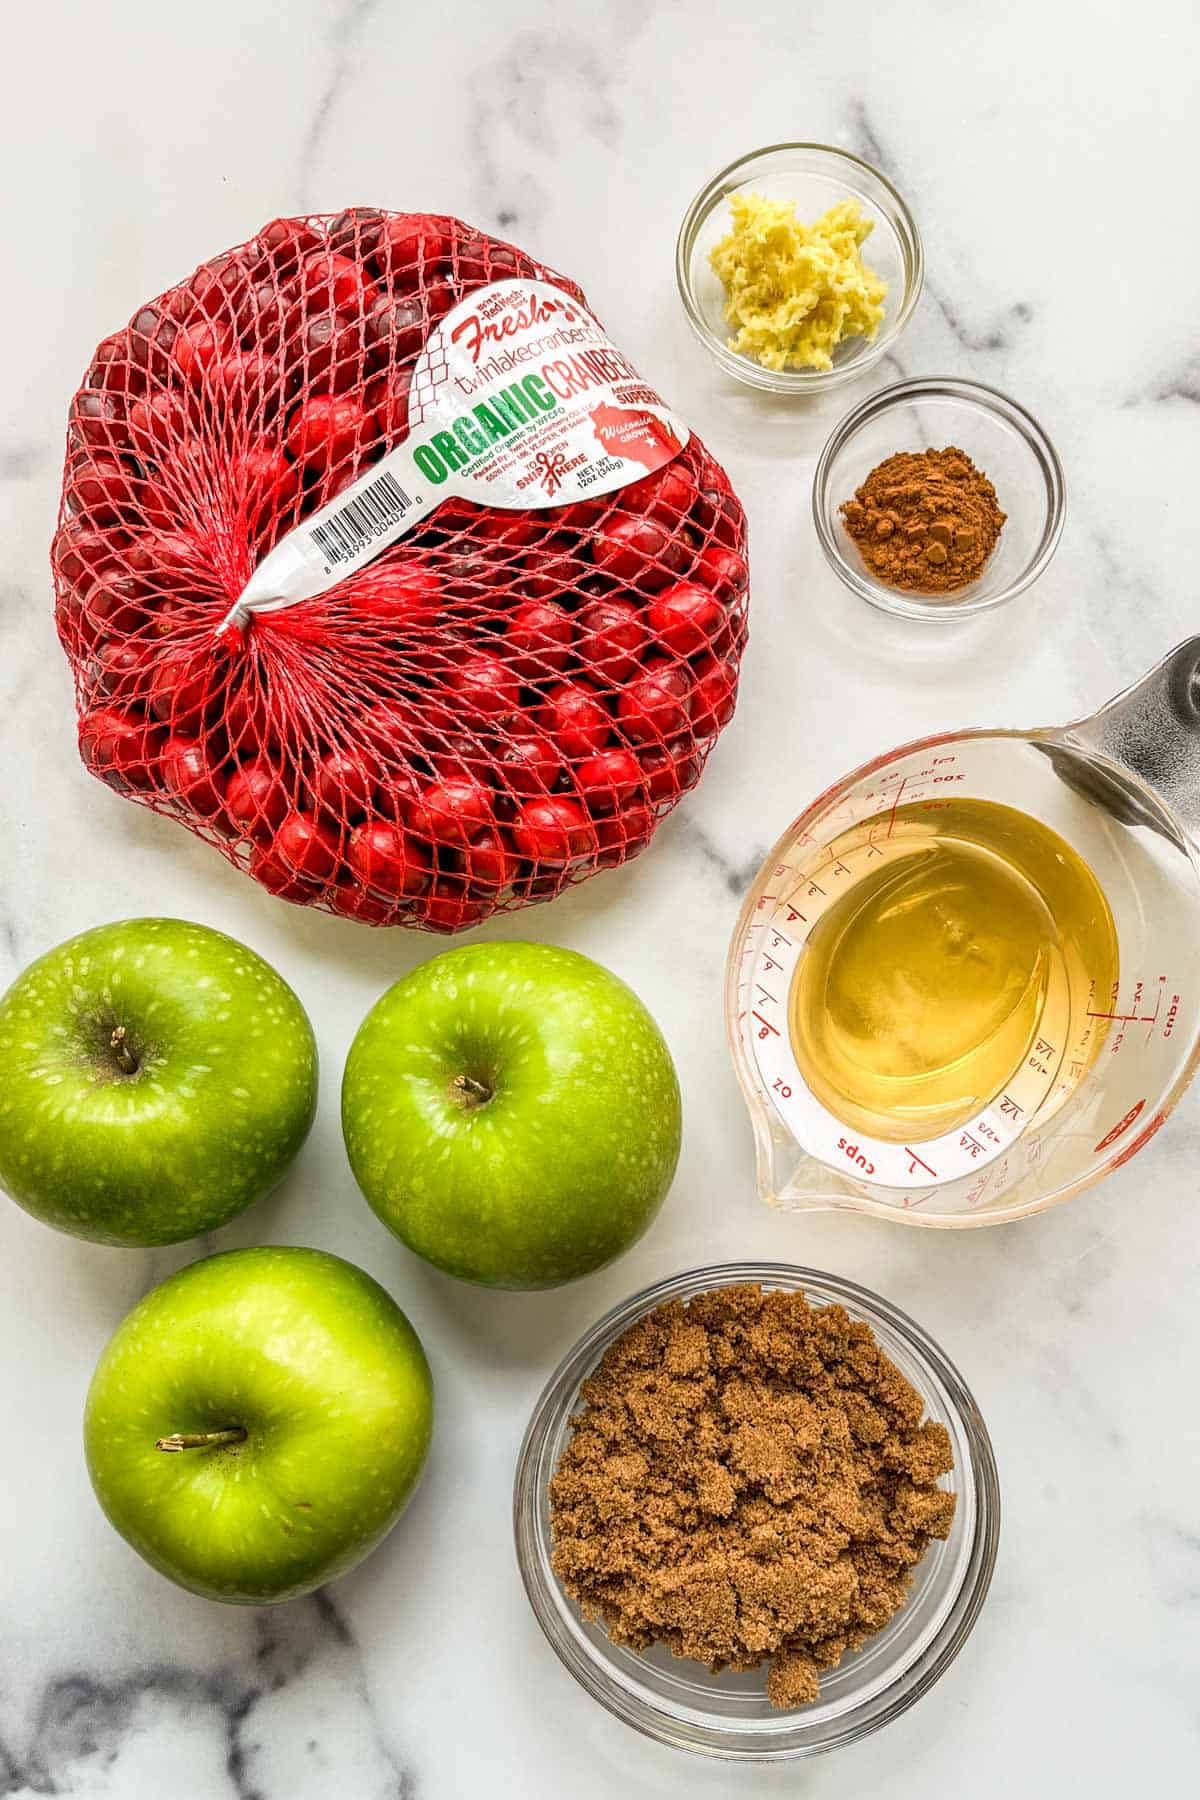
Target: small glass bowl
{"x":816,"y":177}
{"x":1003,"y":441}
{"x":728,"y":1715}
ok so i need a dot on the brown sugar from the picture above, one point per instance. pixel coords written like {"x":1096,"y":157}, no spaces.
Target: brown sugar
{"x":925,"y":520}
{"x":749,"y":1477}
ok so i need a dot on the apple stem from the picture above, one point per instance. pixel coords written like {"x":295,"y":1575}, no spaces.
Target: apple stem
{"x":202,"y":1440}
{"x":468,"y":1089}
{"x":125,"y":1059}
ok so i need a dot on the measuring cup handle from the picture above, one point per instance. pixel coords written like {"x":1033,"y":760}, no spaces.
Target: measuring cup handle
{"x":1153,"y":729}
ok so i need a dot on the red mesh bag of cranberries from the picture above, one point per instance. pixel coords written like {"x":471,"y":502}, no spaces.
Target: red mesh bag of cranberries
{"x":484,"y":702}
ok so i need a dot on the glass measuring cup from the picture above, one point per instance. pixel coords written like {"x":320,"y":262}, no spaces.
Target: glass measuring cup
{"x":1123,"y":789}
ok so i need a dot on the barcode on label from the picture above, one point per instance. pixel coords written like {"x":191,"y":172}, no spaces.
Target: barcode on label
{"x":357,"y":525}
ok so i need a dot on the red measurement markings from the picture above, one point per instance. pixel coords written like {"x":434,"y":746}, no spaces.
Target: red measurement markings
{"x":1044,"y":1049}
{"x":768,"y":1030}
{"x":916,"y":1162}
{"x":778,"y":940}
{"x":770,"y":963}
{"x":985,"y":1131}
{"x":971,"y":1145}
{"x":794,"y":913}
{"x":1120,"y":1128}
{"x":765,"y":996}
{"x":895,"y":804}
{"x":1009,"y":1107}
{"x":975,"y":1193}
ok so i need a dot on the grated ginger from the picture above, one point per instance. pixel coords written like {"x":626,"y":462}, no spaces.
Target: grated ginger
{"x":793,"y":292}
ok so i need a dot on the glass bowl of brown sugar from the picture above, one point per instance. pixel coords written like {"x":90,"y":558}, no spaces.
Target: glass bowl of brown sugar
{"x":731,"y":1713}
{"x":904,"y":531}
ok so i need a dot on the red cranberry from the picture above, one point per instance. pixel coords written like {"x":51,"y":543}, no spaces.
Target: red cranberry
{"x":336,"y":282}
{"x":448,"y":909}
{"x":513,"y":531}
{"x":98,"y":419}
{"x":286,"y":241}
{"x":488,"y":862}
{"x":79,"y":550}
{"x":267,"y":481}
{"x":553,"y":830}
{"x":393,"y":727}
{"x":667,"y":494}
{"x":248,"y":724}
{"x":353,"y":902}
{"x":622,"y":836}
{"x":115,"y":604}
{"x":388,"y":860}
{"x":720,"y":568}
{"x":404,"y":594}
{"x":327,"y":428}
{"x":119,"y":747}
{"x":530,"y":763}
{"x":640,"y":551}
{"x":685,"y":617}
{"x":541,"y":635}
{"x":249,"y":382}
{"x":189,"y":774}
{"x":112,"y":370}
{"x":256,"y":799}
{"x":654,"y":708}
{"x":387,"y":397}
{"x":181,"y":683}
{"x":410,"y":246}
{"x":157,"y":424}
{"x":552,"y":569}
{"x":612,"y":637}
{"x":576,"y":718}
{"x":100,"y":487}
{"x":608,"y":779}
{"x":199,"y":344}
{"x":217,"y":284}
{"x":355,"y":232}
{"x":344,"y":780}
{"x":278,"y":877}
{"x":307,"y":846}
{"x":167,"y":559}
{"x":452,"y":810}
{"x":121,"y":668}
{"x":266,"y":317}
{"x":713,"y":697}
{"x":395,"y":326}
{"x":669,"y":771}
{"x":332,"y":354}
{"x":151,"y":335}
{"x":486,"y":684}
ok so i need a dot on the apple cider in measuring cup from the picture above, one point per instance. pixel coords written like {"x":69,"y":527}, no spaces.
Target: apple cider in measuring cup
{"x":967,"y":935}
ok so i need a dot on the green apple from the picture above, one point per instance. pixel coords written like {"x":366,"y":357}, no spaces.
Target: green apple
{"x":257,"y":1423}
{"x":156,"y":1077}
{"x":511,"y":1112}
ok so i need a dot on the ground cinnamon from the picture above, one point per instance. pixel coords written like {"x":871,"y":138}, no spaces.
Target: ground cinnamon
{"x":925,"y":520}
{"x":749,"y":1477}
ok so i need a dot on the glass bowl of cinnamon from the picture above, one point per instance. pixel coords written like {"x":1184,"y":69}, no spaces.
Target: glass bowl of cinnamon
{"x":734,"y":1713}
{"x":938,"y":498}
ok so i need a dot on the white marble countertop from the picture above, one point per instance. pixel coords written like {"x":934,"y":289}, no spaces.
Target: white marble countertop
{"x":1048,"y":154}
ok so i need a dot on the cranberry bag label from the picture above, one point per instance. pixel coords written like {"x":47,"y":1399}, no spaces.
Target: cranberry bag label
{"x":519,"y":400}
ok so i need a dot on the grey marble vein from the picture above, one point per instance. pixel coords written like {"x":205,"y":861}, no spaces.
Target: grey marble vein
{"x":84,"y":1726}
{"x":344,"y":40}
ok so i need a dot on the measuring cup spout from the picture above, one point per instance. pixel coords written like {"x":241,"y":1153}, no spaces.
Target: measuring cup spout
{"x":1152,"y":730}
